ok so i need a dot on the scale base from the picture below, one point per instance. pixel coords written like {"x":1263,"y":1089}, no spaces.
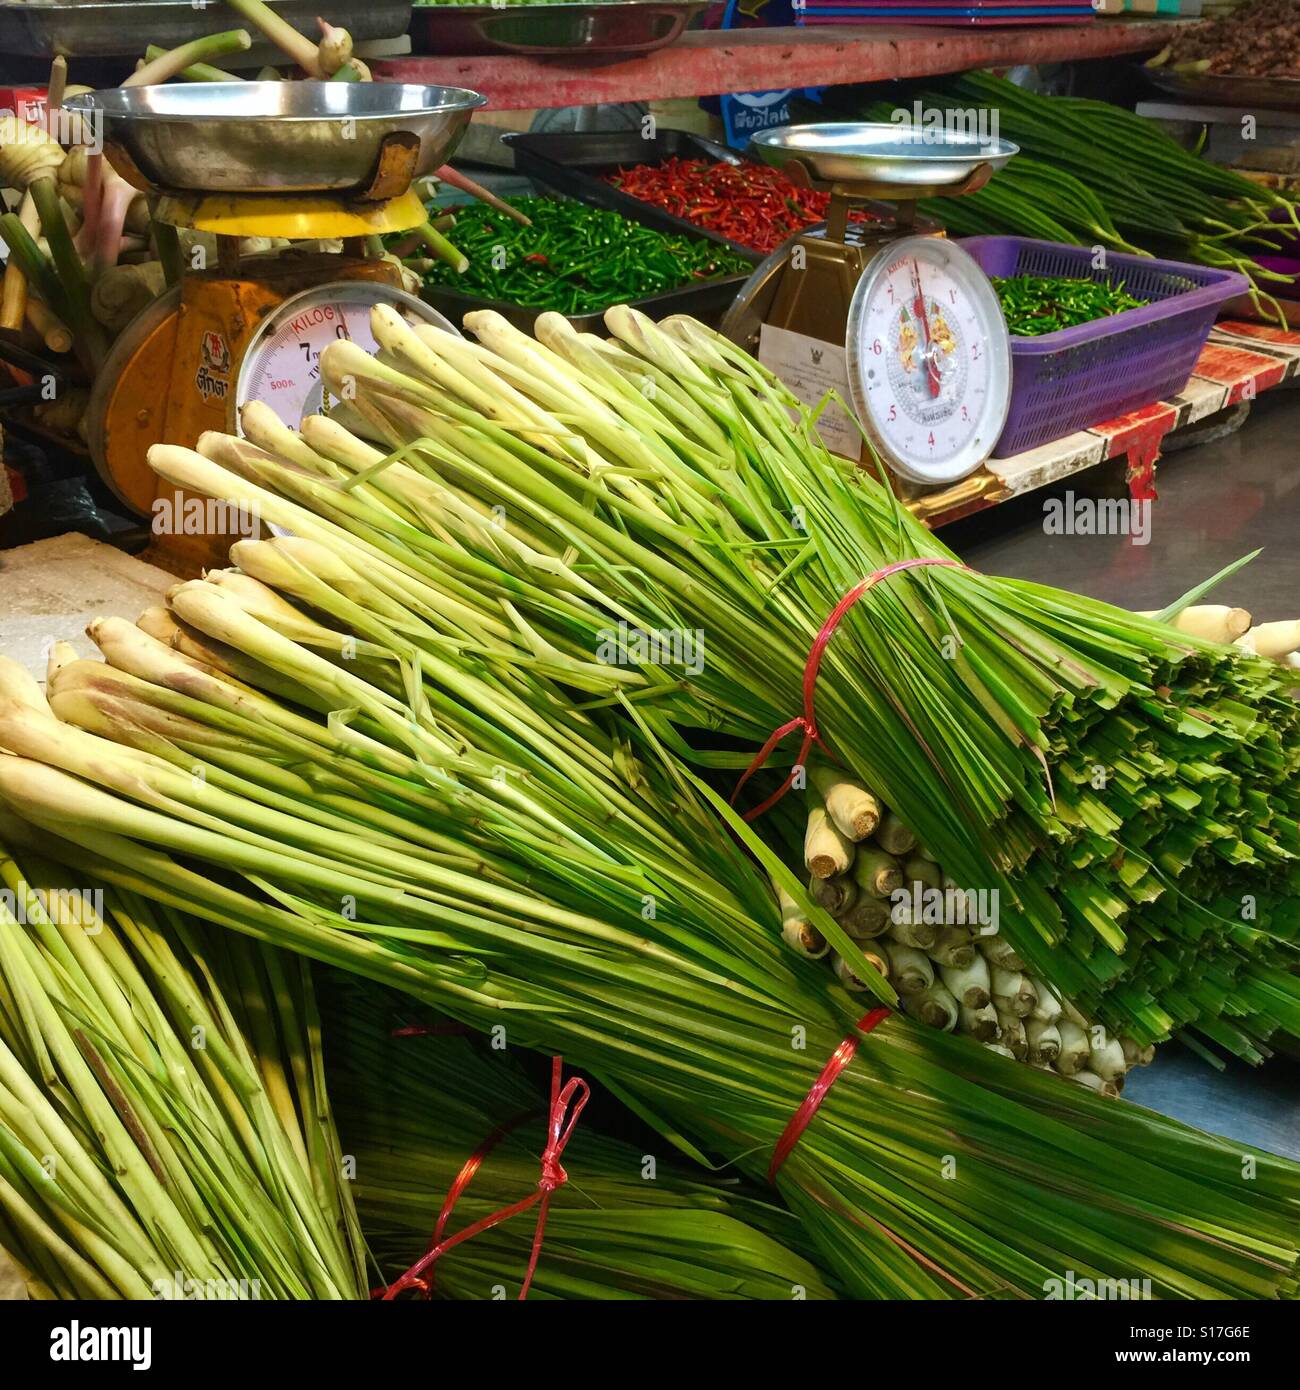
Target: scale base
{"x":805,"y":286}
{"x":299,"y":217}
{"x":171,"y":375}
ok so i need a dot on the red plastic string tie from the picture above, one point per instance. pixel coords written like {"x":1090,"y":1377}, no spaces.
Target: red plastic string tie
{"x":567,"y":1104}
{"x":807,"y":721}
{"x":431,"y":1030}
{"x":839,"y":1059}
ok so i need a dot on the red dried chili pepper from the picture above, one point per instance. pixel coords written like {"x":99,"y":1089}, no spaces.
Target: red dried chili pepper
{"x":752,"y":204}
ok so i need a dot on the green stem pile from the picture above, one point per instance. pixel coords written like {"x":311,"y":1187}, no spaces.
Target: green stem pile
{"x":627,"y":1224}
{"x":366,"y":746}
{"x":1128,"y":791}
{"x":1091,"y":173}
{"x":164,"y":1130}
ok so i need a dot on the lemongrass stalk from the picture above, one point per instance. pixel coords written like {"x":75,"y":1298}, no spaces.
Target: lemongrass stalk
{"x":431,"y":355}
{"x":265,"y":604}
{"x":1074,"y":1050}
{"x":934,"y":1007}
{"x":866,"y":919}
{"x":998,"y":951}
{"x":920,"y":936}
{"x":1105,"y":1054}
{"x":954,"y":948}
{"x":875,"y":872}
{"x":218,"y":659}
{"x":909,"y":970}
{"x":825,"y":850}
{"x":893,"y":836}
{"x":980,"y":1023}
{"x":1043,"y":1038}
{"x":800,"y":934}
{"x":1093,"y":1082}
{"x":199,"y":753}
{"x":1012,"y":992}
{"x":133,"y":652}
{"x":162,"y":66}
{"x":281,"y":33}
{"x":836,"y":894}
{"x":18,"y":686}
{"x":1276,"y":640}
{"x":923,"y":871}
{"x":969,"y":985}
{"x":61,"y":654}
{"x":853,"y":809}
{"x":258,"y":422}
{"x":1012,"y":1035}
{"x":1212,"y":622}
{"x":74,"y":307}
{"x":132,"y":1168}
{"x":1001,"y":1049}
{"x":195,"y":72}
{"x":844,"y":974}
{"x":1047,"y":1007}
{"x":551,"y":374}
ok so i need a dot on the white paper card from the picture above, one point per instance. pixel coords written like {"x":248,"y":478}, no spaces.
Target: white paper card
{"x":810,"y":368}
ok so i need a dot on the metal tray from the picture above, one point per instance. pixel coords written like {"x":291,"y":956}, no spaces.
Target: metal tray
{"x":596,"y":28}
{"x":272,"y":137}
{"x":1220,"y":89}
{"x":574,"y":161}
{"x":125,"y":28}
{"x":871,"y":154}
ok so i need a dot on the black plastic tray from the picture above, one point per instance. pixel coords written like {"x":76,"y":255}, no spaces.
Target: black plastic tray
{"x":706,"y":300}
{"x":572,"y":162}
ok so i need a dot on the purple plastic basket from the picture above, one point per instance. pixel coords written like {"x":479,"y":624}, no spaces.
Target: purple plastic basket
{"x":1066,"y":381}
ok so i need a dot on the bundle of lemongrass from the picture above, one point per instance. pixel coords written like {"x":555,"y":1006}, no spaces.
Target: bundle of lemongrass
{"x":642,"y":517}
{"x":164,"y":1128}
{"x":406,"y":790}
{"x":411,"y":1112}
{"x":938,"y":944}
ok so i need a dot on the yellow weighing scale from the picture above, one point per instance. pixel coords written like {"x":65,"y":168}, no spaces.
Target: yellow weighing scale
{"x":300,"y":160}
{"x":901,"y":321}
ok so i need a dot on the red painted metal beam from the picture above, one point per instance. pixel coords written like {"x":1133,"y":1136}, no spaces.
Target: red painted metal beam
{"x":708,"y":62}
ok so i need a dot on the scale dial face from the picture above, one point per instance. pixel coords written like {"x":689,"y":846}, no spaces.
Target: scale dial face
{"x":929,"y":359}
{"x":281,"y":366}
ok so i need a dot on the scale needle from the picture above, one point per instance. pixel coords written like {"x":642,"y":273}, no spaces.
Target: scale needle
{"x":918,"y":305}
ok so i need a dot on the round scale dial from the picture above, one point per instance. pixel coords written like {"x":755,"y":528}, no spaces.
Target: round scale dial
{"x":929,"y":359}
{"x":282,"y":364}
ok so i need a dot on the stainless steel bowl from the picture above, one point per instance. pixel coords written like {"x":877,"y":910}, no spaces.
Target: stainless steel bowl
{"x":875,"y":152}
{"x":271,"y":137}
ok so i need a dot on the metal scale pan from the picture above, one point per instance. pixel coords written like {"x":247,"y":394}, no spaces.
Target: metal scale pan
{"x":334,"y":138}
{"x":872,"y":159}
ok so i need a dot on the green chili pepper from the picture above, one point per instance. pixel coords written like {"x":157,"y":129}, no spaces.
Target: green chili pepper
{"x":575,"y":258}
{"x":1038,"y":304}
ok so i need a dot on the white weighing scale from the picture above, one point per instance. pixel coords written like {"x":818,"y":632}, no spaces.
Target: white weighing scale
{"x":905,"y":325}
{"x":299,"y":160}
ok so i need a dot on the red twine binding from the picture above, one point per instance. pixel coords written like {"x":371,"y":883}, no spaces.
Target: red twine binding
{"x":802,"y":1117}
{"x":563,"y":1113}
{"x":807,"y":721}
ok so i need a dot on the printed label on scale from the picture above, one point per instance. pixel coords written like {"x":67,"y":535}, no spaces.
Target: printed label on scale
{"x":810,"y":368}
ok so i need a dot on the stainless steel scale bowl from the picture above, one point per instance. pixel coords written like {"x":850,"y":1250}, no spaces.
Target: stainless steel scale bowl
{"x":272,"y":137}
